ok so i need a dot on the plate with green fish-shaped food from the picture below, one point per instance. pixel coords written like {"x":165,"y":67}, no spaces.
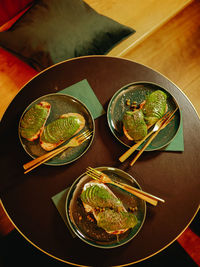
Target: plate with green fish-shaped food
{"x":51,"y":121}
{"x":135,"y":108}
{"x":103,"y":215}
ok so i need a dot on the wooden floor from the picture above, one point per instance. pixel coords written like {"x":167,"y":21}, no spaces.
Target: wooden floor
{"x":174,"y":51}
{"x":144,"y":16}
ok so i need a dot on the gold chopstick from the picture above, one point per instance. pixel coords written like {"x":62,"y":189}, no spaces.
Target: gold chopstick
{"x":167,"y":121}
{"x":93,"y":173}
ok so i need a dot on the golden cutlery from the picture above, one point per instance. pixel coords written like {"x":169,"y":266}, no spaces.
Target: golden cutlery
{"x":163,"y":125}
{"x":75,"y":141}
{"x":135,"y":146}
{"x":103,"y":178}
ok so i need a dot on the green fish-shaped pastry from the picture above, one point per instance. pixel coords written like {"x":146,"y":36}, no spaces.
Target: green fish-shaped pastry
{"x":155,"y":107}
{"x":60,"y":130}
{"x":34,"y":120}
{"x":134,"y":125}
{"x":108,"y":210}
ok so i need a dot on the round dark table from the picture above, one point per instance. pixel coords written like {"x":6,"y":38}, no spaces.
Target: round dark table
{"x":173,"y":176}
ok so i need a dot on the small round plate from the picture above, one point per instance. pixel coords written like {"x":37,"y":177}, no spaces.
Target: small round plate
{"x":138,"y":92}
{"x":60,"y":104}
{"x":87,"y":229}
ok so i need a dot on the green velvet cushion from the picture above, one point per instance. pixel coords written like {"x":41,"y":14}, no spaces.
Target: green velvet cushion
{"x":56,"y":30}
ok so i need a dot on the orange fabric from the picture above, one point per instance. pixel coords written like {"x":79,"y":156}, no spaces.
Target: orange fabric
{"x":9,"y":9}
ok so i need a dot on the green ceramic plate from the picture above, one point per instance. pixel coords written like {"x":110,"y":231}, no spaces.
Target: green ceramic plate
{"x":61,"y":104}
{"x":137,"y":92}
{"x":86,"y":229}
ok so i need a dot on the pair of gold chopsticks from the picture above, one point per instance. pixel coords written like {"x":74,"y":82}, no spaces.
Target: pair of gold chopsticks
{"x":103,"y":178}
{"x":160,"y":125}
{"x":75,"y":141}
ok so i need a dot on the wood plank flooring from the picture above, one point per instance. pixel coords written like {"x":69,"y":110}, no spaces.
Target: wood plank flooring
{"x":144,"y":16}
{"x":174,"y":51}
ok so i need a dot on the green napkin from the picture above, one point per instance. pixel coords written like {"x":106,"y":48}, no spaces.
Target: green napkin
{"x":177,"y":143}
{"x":83,"y":92}
{"x":59,"y":201}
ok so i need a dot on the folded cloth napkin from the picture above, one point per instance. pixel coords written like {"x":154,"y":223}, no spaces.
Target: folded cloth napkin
{"x":177,"y":144}
{"x":83,"y":92}
{"x":59,"y":201}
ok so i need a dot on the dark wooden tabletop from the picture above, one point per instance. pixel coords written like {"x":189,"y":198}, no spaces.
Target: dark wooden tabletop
{"x":173,"y":176}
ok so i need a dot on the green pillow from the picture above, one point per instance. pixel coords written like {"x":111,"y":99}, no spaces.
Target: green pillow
{"x":55,"y":30}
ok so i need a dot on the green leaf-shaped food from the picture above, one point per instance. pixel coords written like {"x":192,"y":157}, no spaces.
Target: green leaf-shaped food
{"x":134,"y":125}
{"x":99,"y":196}
{"x":60,"y":130}
{"x":111,"y":221}
{"x":155,"y":107}
{"x":108,"y":210}
{"x":34,"y":120}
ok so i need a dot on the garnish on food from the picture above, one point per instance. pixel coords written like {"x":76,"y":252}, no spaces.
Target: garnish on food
{"x":60,"y":130}
{"x":107,"y":209}
{"x":33,"y":121}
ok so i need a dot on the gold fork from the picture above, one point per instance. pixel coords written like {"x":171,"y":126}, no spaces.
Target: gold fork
{"x":135,"y":146}
{"x":163,"y":125}
{"x":103,"y":178}
{"x":155,"y":129}
{"x":75,"y":141}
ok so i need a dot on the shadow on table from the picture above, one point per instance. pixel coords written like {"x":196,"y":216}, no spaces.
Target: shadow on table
{"x":16,"y":251}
